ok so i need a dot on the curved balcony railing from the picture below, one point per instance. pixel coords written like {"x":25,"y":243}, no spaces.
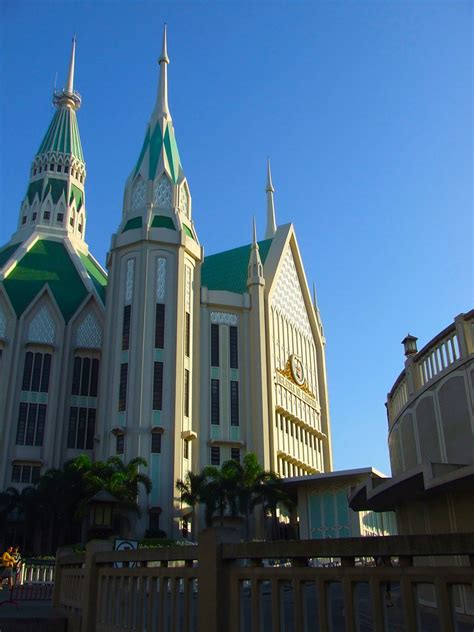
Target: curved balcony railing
{"x":449,"y":348}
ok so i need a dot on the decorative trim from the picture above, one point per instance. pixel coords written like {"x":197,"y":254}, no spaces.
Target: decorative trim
{"x":187,"y":300}
{"x":160,"y":279}
{"x":42,"y":328}
{"x":224,"y":318}
{"x":129,"y":281}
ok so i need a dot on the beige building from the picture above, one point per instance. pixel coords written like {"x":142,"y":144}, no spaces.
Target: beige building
{"x":430,"y":437}
{"x":181,"y":358}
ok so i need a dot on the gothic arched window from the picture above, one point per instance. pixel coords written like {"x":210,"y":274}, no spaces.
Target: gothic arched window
{"x":162,"y":192}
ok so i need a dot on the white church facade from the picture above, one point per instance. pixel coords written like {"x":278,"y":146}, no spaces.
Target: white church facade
{"x":179,"y":357}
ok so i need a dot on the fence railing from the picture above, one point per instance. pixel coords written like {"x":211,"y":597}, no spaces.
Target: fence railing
{"x":217,"y":585}
{"x":445,"y":351}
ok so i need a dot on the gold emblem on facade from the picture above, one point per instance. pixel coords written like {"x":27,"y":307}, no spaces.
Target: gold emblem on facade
{"x":294,"y":371}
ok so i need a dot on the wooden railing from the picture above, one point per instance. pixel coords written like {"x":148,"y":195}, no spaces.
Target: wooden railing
{"x":445,"y":351}
{"x":218,"y":585}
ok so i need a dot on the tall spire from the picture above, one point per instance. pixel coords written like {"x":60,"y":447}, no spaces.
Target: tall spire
{"x":68,"y":97}
{"x":316,"y":308}
{"x":271,"y":225}
{"x":162,"y":98}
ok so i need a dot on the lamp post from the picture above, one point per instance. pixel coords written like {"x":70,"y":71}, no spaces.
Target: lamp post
{"x":409,"y":344}
{"x":101,"y":515}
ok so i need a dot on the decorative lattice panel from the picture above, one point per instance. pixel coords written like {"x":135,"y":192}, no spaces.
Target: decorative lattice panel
{"x":160,"y":279}
{"x":288,"y":298}
{"x":162,"y":192}
{"x":188,"y":290}
{"x":129,"y":281}
{"x":184,"y":200}
{"x":89,"y":333}
{"x":138,"y":194}
{"x":42,"y":328}
{"x":224,"y":318}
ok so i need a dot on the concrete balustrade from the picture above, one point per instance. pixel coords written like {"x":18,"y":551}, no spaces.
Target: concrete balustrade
{"x":221,"y":585}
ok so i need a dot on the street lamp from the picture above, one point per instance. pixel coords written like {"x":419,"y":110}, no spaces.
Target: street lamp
{"x":101,"y":514}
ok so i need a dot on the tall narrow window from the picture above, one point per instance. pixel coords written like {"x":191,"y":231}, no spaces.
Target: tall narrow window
{"x":215,"y":455}
{"x":44,"y":387}
{"x":31,"y":422}
{"x":94,"y":378}
{"x":27,"y":371}
{"x":215,"y":402}
{"x":186,"y":449}
{"x":187,"y":334}
{"x":158,"y":386}
{"x":120,"y":444}
{"x":159,"y":326}
{"x":127,"y":310}
{"x":86,"y":371}
{"x":76,"y":375}
{"x":234,"y":403}
{"x":123,"y":387}
{"x":235,"y":454}
{"x":186,"y":393}
{"x":233,"y":348}
{"x":156,"y":442}
{"x":214,"y":345}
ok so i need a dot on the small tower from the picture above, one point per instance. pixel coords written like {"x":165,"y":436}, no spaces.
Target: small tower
{"x":258,"y":361}
{"x":54,"y":204}
{"x":152,"y":320}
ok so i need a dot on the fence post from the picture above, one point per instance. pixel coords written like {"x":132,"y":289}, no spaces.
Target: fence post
{"x":58,"y":572}
{"x":213,"y":580}
{"x":91,"y":584}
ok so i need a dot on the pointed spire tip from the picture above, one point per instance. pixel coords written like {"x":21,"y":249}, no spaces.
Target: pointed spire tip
{"x":164,"y":49}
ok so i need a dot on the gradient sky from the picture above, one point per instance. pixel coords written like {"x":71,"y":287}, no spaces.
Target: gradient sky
{"x":365,"y":109}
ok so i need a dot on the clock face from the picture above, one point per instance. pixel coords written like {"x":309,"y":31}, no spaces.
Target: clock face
{"x":297,"y":370}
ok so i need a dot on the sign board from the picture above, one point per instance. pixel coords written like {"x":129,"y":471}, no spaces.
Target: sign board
{"x":125,"y":545}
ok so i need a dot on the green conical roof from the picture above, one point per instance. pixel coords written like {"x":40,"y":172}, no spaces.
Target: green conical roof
{"x":158,"y":139}
{"x":63,"y":135}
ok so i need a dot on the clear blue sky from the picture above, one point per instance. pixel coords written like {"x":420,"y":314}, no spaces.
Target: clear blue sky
{"x":365,"y":109}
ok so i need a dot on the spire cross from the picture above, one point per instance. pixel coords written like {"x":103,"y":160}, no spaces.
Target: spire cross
{"x":271,"y":224}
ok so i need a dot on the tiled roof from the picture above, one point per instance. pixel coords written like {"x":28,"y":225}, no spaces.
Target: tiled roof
{"x":228,"y":270}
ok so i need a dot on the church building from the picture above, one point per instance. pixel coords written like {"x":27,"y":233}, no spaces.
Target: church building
{"x":182,"y":358}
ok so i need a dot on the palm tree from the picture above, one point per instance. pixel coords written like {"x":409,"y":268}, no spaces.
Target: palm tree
{"x":190,"y":491}
{"x":270,"y":492}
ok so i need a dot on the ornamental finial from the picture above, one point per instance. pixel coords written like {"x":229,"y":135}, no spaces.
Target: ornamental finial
{"x":68,"y":96}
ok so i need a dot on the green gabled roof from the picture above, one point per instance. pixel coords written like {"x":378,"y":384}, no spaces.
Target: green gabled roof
{"x":6,"y":252}
{"x":97,"y":276}
{"x":157,"y":141}
{"x":63,"y":135}
{"x":162,"y":221}
{"x":46,"y":262}
{"x":228,"y":270}
{"x":135,"y":222}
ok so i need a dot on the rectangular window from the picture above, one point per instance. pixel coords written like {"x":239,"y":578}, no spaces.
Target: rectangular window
{"x":215,"y":418}
{"x":86,"y":372}
{"x":234,"y":403}
{"x":127,"y":311}
{"x":81,"y":428}
{"x":45,"y":373}
{"x":235,"y":454}
{"x":90,"y":429}
{"x":25,"y":473}
{"x":71,"y":435}
{"x":39,"y":435}
{"x":186,"y":449}
{"x":31,"y":424}
{"x":215,"y":455}
{"x":59,"y":217}
{"x":46,"y":215}
{"x":27,"y":371}
{"x":120,"y":444}
{"x":186,"y":393}
{"x":158,"y":386}
{"x":156,"y":442}
{"x":187,"y":334}
{"x":214,"y":345}
{"x":37,"y":363}
{"x":123,"y":387}
{"x":233,"y":348}
{"x":94,"y":378}
{"x":76,"y":375}
{"x":160,"y":326}
{"x":21,"y":428}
